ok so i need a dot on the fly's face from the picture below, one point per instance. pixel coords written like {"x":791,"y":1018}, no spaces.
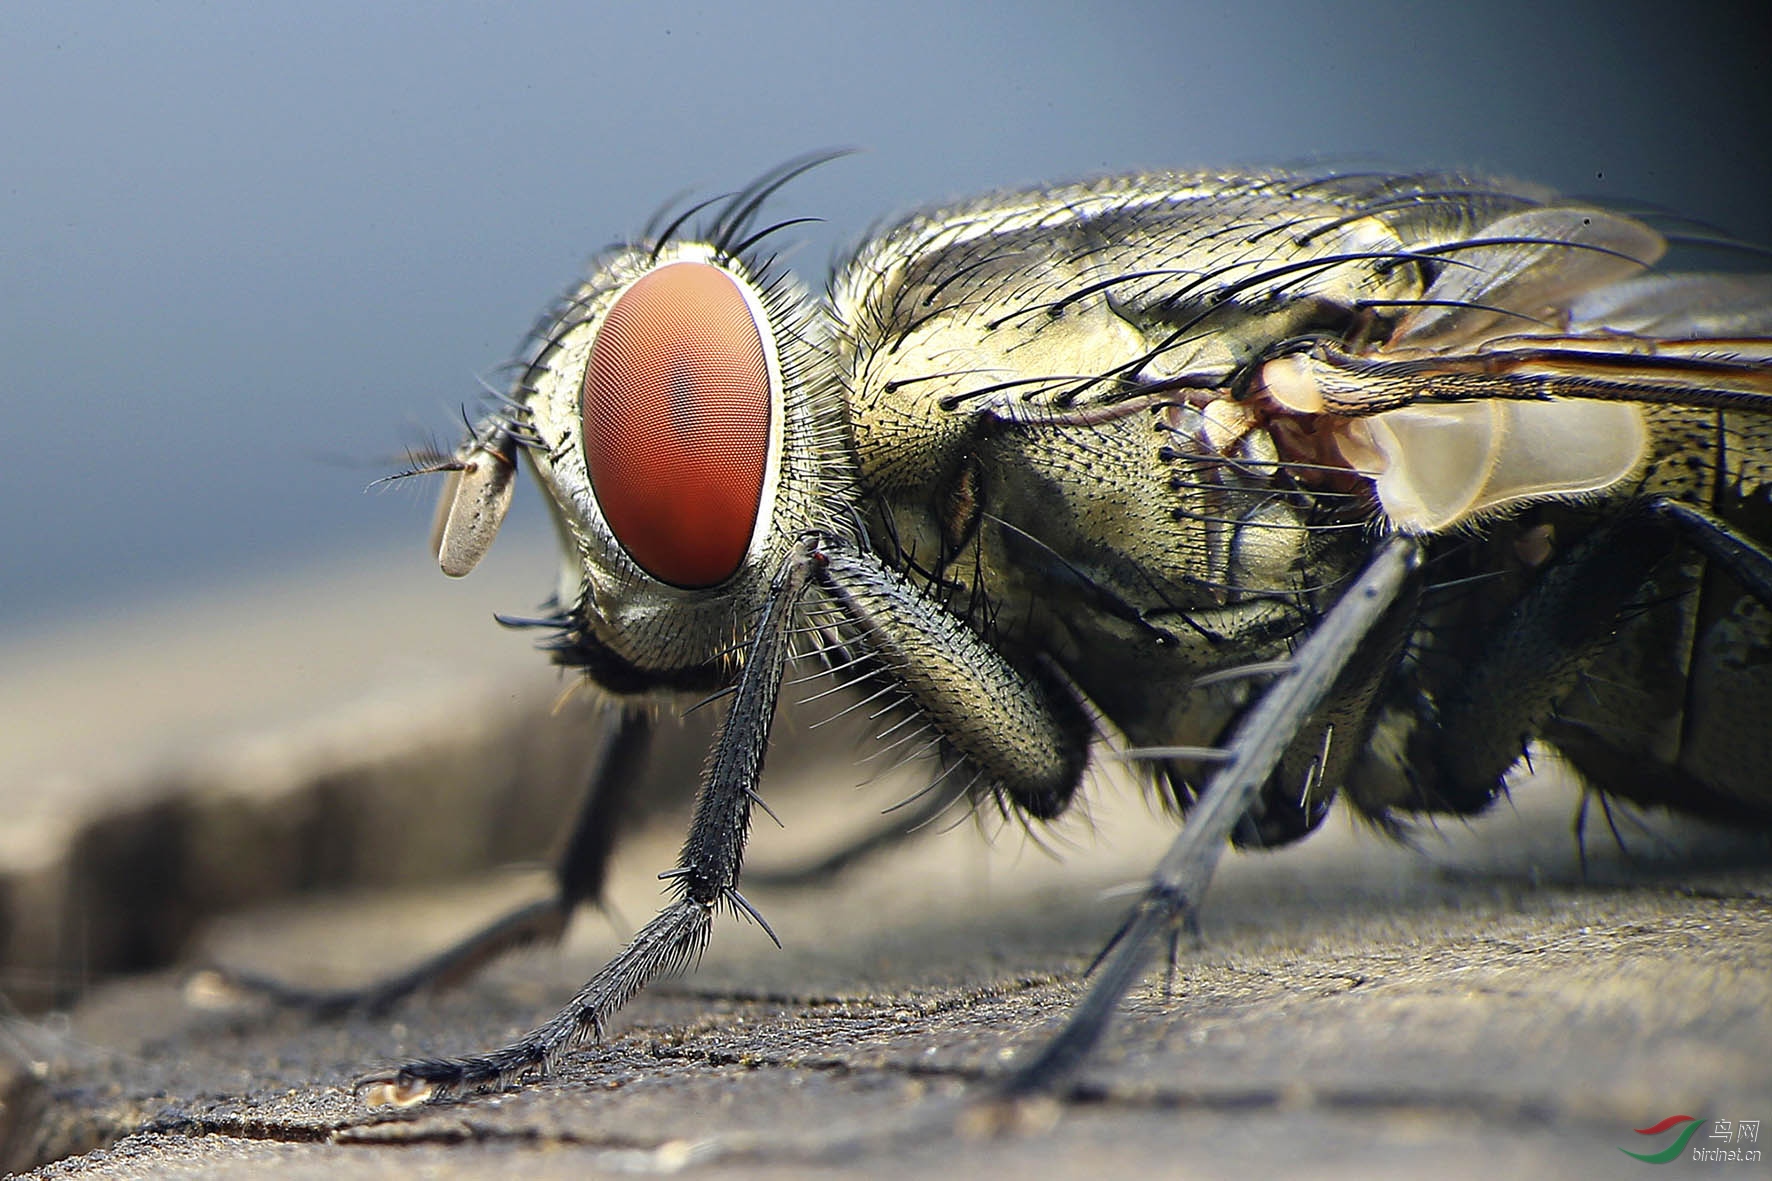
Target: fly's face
{"x":672,"y":411}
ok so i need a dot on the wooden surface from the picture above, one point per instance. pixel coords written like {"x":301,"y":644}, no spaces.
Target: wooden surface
{"x":1469,"y":1007}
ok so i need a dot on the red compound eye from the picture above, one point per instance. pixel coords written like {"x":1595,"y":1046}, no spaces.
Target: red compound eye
{"x":676,"y":423}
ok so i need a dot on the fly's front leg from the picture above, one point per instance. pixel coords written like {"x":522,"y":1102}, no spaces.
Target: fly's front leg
{"x":616,"y":776}
{"x":1025,"y":732}
{"x":705,"y":877}
{"x":1022,"y":729}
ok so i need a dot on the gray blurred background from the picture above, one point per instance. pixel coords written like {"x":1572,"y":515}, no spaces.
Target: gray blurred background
{"x":249,"y":252}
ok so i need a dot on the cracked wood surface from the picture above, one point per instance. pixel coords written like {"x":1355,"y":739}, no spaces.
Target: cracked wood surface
{"x":1358,"y":1008}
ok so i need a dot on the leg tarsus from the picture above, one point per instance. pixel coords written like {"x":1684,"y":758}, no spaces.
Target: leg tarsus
{"x":1170,"y":963}
{"x":671,"y":941}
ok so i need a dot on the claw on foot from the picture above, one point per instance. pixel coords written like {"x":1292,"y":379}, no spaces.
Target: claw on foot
{"x":210,"y":990}
{"x":394,"y":1091}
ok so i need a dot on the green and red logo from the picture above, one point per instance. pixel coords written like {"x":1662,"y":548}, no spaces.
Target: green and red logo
{"x":1672,"y":1150}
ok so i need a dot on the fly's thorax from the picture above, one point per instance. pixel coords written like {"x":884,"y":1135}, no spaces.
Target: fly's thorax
{"x":922,"y":386}
{"x":1099,"y":544}
{"x":996,"y":357}
{"x":686,"y":436}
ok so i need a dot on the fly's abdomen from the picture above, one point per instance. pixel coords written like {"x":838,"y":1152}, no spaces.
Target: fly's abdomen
{"x":1675,"y":710}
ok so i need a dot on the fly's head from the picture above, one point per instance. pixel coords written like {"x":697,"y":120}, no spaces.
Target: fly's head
{"x":677,"y":409}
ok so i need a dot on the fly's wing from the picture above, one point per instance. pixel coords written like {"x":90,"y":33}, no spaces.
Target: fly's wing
{"x":1678,"y":307}
{"x":1076,"y":304}
{"x":1463,"y":345}
{"x":1121,"y":288}
{"x":1525,"y":369}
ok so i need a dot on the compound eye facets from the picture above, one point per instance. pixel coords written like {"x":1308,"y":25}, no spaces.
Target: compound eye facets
{"x":676,"y":406}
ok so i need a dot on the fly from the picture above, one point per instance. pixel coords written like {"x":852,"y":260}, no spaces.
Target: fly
{"x":1296,"y":486}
